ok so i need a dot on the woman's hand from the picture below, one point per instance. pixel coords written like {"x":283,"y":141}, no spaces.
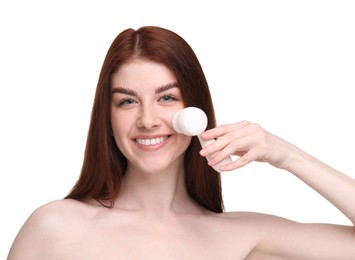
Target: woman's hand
{"x":250,"y":142}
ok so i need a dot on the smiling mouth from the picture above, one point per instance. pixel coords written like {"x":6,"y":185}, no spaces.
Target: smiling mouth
{"x":152,"y":141}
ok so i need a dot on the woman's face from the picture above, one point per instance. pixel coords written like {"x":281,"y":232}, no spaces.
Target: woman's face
{"x":145,"y":97}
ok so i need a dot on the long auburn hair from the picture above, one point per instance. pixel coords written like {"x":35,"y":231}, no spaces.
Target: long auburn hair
{"x":104,"y":164}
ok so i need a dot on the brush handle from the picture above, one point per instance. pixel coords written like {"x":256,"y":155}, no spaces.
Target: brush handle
{"x":217,"y":166}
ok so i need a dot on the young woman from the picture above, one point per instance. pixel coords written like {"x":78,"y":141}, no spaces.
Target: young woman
{"x":146,"y":191}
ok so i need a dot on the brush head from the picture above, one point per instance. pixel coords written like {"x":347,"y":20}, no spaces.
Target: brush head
{"x":190,"y":121}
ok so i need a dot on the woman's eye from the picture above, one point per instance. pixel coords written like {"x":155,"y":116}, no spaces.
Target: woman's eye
{"x":126,"y":101}
{"x":167,"y":98}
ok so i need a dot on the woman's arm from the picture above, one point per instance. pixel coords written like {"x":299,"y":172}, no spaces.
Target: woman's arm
{"x":252,"y":143}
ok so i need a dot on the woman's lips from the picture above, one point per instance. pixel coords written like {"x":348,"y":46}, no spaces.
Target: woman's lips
{"x":151,"y":141}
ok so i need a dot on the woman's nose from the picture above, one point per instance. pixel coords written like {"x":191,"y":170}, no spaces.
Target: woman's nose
{"x":148,"y":118}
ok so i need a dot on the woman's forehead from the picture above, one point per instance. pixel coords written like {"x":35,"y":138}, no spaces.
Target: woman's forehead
{"x":138,"y":73}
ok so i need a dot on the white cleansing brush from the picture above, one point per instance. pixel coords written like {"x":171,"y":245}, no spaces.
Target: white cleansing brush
{"x":193,"y":121}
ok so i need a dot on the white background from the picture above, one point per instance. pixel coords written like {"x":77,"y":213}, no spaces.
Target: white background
{"x":287,"y":65}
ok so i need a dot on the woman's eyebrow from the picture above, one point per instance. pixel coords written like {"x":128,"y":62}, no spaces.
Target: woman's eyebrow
{"x":166,"y":87}
{"x":131,"y":92}
{"x":126,"y":91}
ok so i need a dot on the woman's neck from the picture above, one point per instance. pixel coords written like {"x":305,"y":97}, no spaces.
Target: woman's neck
{"x":161,"y":192}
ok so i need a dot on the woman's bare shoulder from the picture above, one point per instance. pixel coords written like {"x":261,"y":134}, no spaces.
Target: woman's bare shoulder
{"x":47,"y":225}
{"x":250,"y":216}
{"x":247,"y":223}
{"x":256,"y":221}
{"x":60,"y":209}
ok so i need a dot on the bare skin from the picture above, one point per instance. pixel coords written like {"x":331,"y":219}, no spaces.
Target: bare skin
{"x":155,"y":218}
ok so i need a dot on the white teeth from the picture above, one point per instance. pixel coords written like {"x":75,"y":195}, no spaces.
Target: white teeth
{"x":152,"y":141}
